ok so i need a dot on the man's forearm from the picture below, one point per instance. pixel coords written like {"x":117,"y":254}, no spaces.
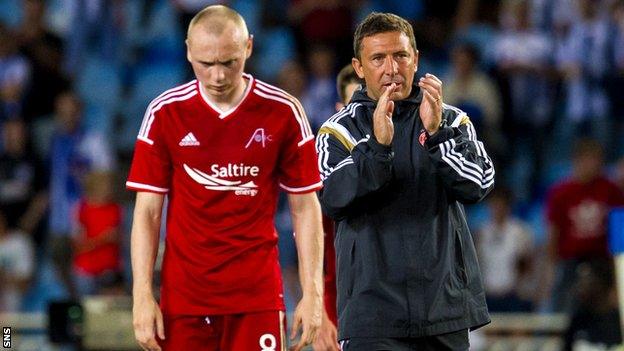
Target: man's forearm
{"x":306,"y":215}
{"x":144,"y":243}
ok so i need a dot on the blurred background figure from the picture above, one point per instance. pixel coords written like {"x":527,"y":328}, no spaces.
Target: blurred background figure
{"x":97,"y":239}
{"x":595,"y":322}
{"x":470,"y":89}
{"x":17,"y":263}
{"x":93,"y":30}
{"x":506,"y":257}
{"x":577,"y":211}
{"x":522,"y":56}
{"x":319,"y":96}
{"x":23,"y":182}
{"x":74,"y":152}
{"x":585,"y":60}
{"x":14,"y":76}
{"x":44,"y":49}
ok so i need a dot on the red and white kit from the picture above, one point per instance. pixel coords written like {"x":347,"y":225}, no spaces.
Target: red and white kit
{"x":222,"y":171}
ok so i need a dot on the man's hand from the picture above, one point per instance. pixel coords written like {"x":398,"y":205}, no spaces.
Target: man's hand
{"x":147,"y":320}
{"x":382,"y":118}
{"x":308,"y":315}
{"x":327,"y":339}
{"x":431,"y":106}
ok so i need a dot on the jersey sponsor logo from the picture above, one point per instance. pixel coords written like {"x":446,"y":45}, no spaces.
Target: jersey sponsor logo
{"x":215,"y":180}
{"x":268,"y":342}
{"x":259,"y":136}
{"x":189,"y":140}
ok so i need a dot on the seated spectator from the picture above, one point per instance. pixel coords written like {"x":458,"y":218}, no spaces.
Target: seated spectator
{"x":97,"y":239}
{"x":17,"y":263}
{"x":505,"y":247}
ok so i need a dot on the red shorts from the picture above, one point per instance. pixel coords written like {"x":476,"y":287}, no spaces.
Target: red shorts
{"x":258,"y":331}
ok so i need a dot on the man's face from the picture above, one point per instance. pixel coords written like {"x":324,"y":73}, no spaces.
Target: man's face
{"x":387,"y":58}
{"x":218,"y":60}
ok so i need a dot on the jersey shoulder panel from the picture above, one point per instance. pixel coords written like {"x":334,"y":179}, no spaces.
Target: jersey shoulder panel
{"x":178,"y":94}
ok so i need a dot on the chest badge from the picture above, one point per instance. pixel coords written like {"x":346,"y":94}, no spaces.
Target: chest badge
{"x":259,"y":136}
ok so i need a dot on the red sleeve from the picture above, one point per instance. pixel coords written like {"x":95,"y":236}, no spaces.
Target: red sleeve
{"x":298,"y":165}
{"x":151,"y":164}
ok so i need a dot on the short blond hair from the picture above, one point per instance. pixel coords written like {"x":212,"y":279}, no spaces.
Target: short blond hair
{"x":215,"y":18}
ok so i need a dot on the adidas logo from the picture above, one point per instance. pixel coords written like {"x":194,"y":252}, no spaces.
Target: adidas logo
{"x":189,"y":140}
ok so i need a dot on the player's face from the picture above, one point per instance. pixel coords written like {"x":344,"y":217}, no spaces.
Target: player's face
{"x":219,"y":60}
{"x":387,"y":58}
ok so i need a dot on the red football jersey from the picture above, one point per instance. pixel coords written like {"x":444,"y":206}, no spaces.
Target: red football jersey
{"x":96,"y":220}
{"x":222,"y":171}
{"x":579,"y":211}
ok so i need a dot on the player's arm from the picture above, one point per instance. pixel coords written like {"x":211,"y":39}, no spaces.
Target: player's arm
{"x":147,"y":317}
{"x":306,"y":217}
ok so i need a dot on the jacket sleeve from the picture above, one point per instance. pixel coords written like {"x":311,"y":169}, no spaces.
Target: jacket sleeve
{"x":463,"y":164}
{"x":350,"y":169}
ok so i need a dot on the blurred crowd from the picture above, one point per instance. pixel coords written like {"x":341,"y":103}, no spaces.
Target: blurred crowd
{"x":542,"y":81}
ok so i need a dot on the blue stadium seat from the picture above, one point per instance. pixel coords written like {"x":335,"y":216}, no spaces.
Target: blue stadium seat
{"x":99,"y":84}
{"x":278,"y":47}
{"x":10,"y":12}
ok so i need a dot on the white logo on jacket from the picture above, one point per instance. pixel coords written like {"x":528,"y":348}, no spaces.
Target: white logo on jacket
{"x":214,"y":181}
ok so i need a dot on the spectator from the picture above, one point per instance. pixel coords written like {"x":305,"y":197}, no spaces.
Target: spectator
{"x":505,"y":246}
{"x":326,"y":22}
{"x":14,"y":76}
{"x":292,"y":78}
{"x":73,"y":153}
{"x":595,"y":323}
{"x":94,"y":30}
{"x":522,"y":58}
{"x":44,"y":49}
{"x":474,"y":92}
{"x":23,"y":197}
{"x":17,"y":263}
{"x":577,"y":211}
{"x":97,"y":240}
{"x":584,"y":62}
{"x":320,"y":95}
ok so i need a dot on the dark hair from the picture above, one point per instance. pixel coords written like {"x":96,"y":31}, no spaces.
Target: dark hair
{"x":378,"y":22}
{"x":345,"y":77}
